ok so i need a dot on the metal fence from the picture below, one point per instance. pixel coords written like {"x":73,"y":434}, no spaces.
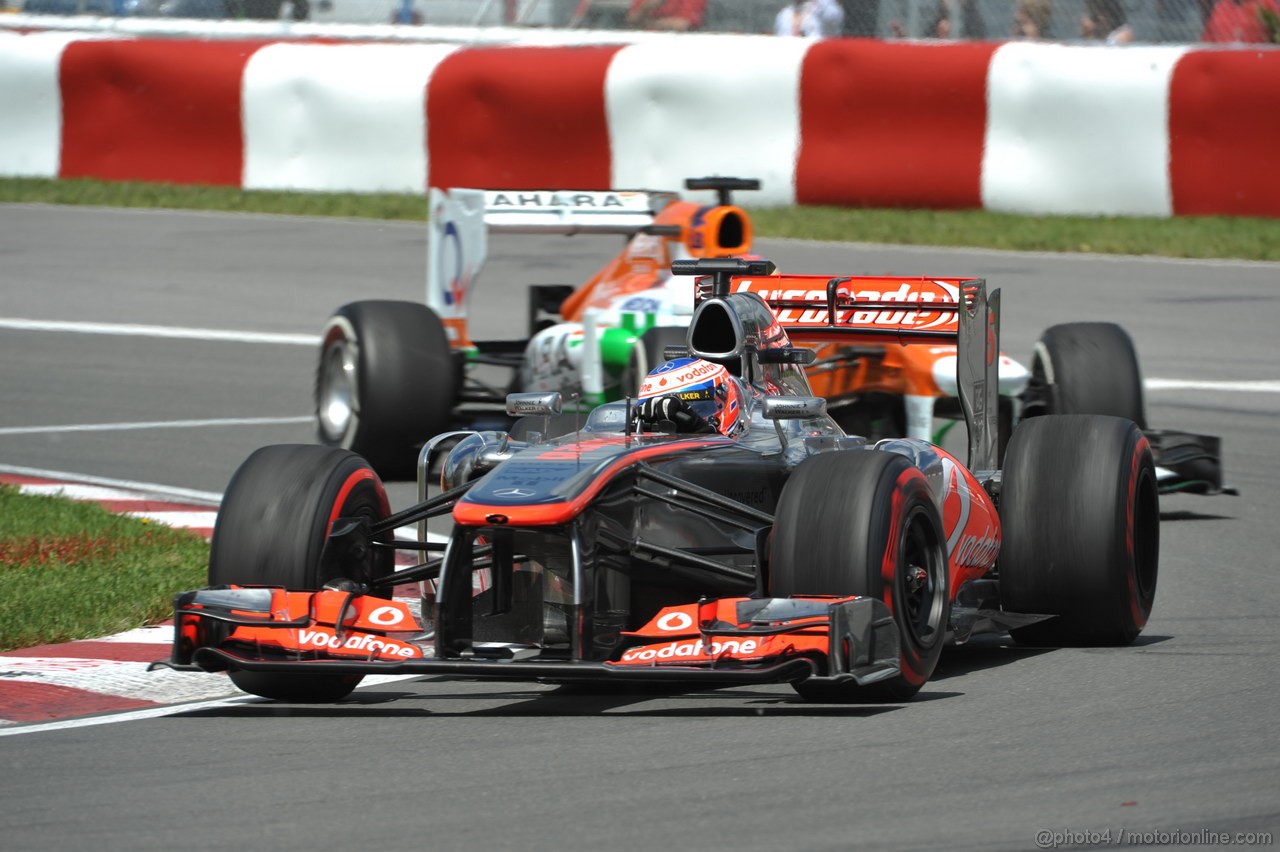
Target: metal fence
{"x":1148,"y":21}
{"x":1138,"y":21}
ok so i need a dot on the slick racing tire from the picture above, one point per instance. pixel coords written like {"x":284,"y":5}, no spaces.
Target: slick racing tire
{"x":1087,"y":368}
{"x":1080,"y":514}
{"x":271,"y":530}
{"x":648,"y":354}
{"x":385,"y":384}
{"x":865,"y":523}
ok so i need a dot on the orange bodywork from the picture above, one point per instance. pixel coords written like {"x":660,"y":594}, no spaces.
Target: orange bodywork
{"x":703,"y":231}
{"x":897,"y":370}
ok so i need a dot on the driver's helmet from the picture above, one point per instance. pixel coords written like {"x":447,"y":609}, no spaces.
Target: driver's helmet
{"x":706,"y":388}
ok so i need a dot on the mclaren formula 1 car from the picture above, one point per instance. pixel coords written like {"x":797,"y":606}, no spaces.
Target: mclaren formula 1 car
{"x":393,"y":374}
{"x":625,"y":549}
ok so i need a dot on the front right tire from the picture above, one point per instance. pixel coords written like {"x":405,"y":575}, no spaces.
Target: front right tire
{"x":1080,"y":515}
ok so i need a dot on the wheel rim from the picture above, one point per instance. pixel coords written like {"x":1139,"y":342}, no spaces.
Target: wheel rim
{"x":923,"y":581}
{"x":337,"y":392}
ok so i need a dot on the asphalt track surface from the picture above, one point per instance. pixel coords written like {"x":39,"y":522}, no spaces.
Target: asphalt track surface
{"x":1176,"y":733}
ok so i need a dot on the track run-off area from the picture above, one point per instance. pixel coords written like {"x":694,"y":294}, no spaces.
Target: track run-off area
{"x":159,"y":348}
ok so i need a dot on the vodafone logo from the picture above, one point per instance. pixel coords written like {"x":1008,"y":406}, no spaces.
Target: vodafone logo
{"x":675,"y":622}
{"x":386,"y":616}
{"x":689,"y":374}
{"x":976,"y":550}
{"x":693,"y":648}
{"x":324,"y":640}
{"x":698,"y":371}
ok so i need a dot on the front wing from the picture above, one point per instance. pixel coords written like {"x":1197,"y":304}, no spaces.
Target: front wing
{"x":723,"y":642}
{"x":1187,"y":463}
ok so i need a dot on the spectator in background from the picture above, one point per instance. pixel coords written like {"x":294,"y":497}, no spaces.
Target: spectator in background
{"x":861,"y":17}
{"x":674,"y":15}
{"x":944,"y":20}
{"x":1253,"y":21}
{"x":1104,"y":20}
{"x":1031,"y":18}
{"x":810,"y":18}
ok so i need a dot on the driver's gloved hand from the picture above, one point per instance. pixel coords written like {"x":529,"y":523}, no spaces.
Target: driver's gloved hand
{"x":674,"y":410}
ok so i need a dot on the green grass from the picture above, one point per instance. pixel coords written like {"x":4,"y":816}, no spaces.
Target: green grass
{"x":73,"y":570}
{"x":1203,"y":237}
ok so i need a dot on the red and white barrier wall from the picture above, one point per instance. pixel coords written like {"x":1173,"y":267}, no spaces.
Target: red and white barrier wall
{"x":1020,"y":127}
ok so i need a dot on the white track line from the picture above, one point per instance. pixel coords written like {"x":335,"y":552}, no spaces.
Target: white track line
{"x":232,"y":336}
{"x":127,"y":716}
{"x":81,"y":486}
{"x":1260,"y":386}
{"x":13,"y":728}
{"x":154,"y":424}
{"x":134,"y":330}
{"x":181,"y":520}
{"x":168,"y":492}
{"x":76,"y":491}
{"x":1221,"y":385}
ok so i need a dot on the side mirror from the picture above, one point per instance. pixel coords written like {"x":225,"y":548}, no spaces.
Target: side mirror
{"x":787,"y":355}
{"x":793,"y":407}
{"x":524,"y":404}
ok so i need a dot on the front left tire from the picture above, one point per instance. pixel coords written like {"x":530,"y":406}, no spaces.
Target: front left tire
{"x":271,"y":531}
{"x":865,"y":523}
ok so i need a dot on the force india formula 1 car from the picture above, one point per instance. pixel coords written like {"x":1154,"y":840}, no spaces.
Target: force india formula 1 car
{"x":393,"y":374}
{"x":625,"y":551}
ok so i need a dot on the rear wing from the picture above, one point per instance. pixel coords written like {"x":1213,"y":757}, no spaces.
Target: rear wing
{"x":880,"y":310}
{"x":570,"y":211}
{"x":461,"y":219}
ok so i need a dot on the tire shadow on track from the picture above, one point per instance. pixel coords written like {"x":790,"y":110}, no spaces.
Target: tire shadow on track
{"x":990,"y":652}
{"x":372,"y":703}
{"x":1185,"y":515}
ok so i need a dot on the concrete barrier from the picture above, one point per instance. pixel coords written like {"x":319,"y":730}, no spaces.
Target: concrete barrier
{"x":1019,"y":127}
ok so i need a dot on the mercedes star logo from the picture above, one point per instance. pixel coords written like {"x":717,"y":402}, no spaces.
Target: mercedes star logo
{"x":513,"y":492}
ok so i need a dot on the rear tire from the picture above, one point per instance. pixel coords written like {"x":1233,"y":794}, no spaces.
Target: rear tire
{"x":271,"y":531}
{"x":1087,"y":368}
{"x":386,"y":383}
{"x":865,"y":523}
{"x":1080,"y":514}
